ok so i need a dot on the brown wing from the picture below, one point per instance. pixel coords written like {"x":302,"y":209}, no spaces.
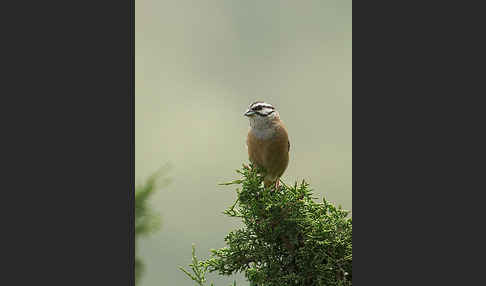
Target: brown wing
{"x":277,"y":153}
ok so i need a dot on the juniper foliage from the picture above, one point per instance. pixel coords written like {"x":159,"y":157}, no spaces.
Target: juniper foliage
{"x":287,"y":238}
{"x":199,"y":270}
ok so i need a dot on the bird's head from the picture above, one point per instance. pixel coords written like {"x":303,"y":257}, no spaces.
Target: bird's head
{"x":261,"y":114}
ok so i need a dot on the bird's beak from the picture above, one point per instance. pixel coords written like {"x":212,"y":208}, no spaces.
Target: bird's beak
{"x":249,"y":113}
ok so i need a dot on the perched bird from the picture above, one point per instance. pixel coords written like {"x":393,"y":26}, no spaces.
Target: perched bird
{"x":268,"y":142}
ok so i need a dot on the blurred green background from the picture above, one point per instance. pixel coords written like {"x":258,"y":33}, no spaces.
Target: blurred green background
{"x":199,"y":64}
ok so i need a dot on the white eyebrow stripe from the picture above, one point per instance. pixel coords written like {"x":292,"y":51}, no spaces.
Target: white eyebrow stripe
{"x":262,"y":104}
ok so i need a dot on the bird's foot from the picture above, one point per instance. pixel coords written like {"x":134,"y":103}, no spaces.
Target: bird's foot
{"x":273,"y":186}
{"x":277,"y":185}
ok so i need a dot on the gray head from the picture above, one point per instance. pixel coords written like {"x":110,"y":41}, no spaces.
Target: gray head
{"x":261,"y":114}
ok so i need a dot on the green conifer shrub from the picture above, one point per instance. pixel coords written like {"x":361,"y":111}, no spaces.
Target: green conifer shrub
{"x":287,"y":237}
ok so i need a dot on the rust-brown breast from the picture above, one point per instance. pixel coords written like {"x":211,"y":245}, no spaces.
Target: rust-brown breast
{"x":272,"y":153}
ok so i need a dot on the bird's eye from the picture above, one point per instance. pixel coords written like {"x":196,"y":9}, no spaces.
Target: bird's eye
{"x":259,"y":107}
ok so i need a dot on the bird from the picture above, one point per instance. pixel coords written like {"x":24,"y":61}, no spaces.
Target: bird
{"x":267,"y":141}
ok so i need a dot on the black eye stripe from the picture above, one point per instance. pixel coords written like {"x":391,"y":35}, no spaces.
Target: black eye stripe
{"x":264,"y":115}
